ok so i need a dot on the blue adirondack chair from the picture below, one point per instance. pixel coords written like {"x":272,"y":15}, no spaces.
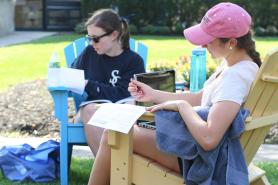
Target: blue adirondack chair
{"x":73,"y":134}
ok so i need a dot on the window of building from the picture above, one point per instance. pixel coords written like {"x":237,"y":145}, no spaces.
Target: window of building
{"x":62,"y":14}
{"x":29,"y":14}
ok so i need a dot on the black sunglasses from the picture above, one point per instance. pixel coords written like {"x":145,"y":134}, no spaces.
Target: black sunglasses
{"x":96,"y":39}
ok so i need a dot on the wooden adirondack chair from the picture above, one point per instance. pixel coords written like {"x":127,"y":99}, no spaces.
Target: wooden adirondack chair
{"x":73,"y":134}
{"x":128,"y":168}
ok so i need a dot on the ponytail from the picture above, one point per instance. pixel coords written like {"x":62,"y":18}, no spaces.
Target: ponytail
{"x":124,"y":35}
{"x":246,"y":42}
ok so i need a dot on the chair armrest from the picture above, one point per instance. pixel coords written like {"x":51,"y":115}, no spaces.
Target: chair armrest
{"x":60,"y":98}
{"x":254,"y":123}
{"x":121,"y":154}
{"x":121,"y":157}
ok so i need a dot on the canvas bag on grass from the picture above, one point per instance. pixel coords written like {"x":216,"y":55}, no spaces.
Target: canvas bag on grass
{"x":21,"y":162}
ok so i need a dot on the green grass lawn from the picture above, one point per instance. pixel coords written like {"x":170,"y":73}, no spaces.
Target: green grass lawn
{"x":271,"y":169}
{"x":80,"y":172}
{"x":28,"y":61}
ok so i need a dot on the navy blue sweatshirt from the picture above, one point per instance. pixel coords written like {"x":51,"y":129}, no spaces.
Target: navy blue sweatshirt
{"x":108,"y":77}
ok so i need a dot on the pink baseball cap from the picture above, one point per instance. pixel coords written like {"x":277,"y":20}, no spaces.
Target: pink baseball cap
{"x":224,"y":20}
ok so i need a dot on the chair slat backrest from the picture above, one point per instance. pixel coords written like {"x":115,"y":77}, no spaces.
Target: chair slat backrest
{"x":80,"y":44}
{"x":262,"y":101}
{"x":73,"y":50}
{"x":132,"y":44}
{"x":142,"y":50}
{"x":69,"y":54}
{"x":263,"y":91}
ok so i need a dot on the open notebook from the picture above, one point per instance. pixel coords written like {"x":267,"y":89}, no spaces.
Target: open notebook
{"x":128,"y":100}
{"x":160,"y":80}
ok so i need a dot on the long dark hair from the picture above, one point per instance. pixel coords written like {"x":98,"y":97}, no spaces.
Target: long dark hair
{"x":109,"y":21}
{"x":247,"y":43}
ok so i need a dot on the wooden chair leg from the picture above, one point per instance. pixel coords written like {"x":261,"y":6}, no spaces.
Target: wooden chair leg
{"x":121,"y":157}
{"x":261,"y":181}
{"x":257,"y":175}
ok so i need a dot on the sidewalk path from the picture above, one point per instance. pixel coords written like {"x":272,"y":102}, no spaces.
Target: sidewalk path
{"x":265,"y":153}
{"x":23,"y":36}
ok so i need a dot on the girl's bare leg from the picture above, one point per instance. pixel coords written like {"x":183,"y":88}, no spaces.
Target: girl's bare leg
{"x":100,"y":174}
{"x":93,"y":134}
{"x":143,"y":144}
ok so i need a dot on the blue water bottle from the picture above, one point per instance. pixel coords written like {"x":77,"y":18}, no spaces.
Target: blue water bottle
{"x":197,"y":69}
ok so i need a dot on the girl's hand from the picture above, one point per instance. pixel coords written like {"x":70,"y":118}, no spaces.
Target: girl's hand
{"x":168,"y":105}
{"x":140,"y":91}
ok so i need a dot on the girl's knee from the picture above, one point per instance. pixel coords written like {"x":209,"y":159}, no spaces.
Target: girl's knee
{"x":104,"y":137}
{"x":90,"y":108}
{"x":87,"y":111}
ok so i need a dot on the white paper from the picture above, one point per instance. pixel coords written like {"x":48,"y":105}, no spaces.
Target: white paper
{"x":67,"y":77}
{"x":117,"y":117}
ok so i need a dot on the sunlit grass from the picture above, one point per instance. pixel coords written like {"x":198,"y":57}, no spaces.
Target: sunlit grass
{"x":271,"y":169}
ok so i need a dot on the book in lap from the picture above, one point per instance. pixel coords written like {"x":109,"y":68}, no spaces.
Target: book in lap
{"x":128,"y":100}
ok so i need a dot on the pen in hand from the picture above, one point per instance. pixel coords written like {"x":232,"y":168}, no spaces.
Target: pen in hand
{"x":134,"y":88}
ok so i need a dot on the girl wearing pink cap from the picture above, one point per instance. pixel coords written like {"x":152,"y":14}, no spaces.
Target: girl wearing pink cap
{"x":225,"y":32}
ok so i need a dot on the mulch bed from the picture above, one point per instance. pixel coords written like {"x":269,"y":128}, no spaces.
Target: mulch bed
{"x":27,"y":108}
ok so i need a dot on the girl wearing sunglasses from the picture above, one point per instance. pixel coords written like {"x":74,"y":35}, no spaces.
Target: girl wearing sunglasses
{"x":108,"y":64}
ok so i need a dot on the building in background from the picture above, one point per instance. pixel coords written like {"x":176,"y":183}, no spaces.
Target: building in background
{"x":6,"y":17}
{"x":52,"y":15}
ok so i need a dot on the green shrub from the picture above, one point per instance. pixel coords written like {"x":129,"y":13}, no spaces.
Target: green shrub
{"x":168,"y":12}
{"x":271,"y":30}
{"x":178,"y":29}
{"x":149,"y":29}
{"x":80,"y":28}
{"x":259,"y":31}
{"x":132,"y":29}
{"x":163,"y":30}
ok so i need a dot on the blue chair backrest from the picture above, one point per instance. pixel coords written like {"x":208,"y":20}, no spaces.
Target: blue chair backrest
{"x":132,"y":44}
{"x":73,"y":50}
